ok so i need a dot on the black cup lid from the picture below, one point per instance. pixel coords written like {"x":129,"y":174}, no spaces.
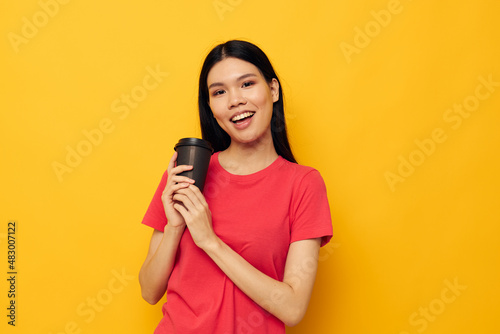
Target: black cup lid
{"x":194,"y":142}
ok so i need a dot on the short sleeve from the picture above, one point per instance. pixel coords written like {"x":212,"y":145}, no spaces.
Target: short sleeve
{"x":310,"y":215}
{"x":155,"y":215}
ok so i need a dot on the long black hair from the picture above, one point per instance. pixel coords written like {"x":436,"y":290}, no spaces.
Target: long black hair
{"x":210,"y":129}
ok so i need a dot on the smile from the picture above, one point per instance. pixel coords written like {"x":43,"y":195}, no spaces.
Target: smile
{"x":242,"y":116}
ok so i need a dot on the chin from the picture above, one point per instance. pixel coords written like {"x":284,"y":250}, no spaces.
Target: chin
{"x":254,"y":140}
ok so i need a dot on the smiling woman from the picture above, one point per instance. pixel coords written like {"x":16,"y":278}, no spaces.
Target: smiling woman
{"x":223,"y":256}
{"x":241,"y":101}
{"x":251,"y":55}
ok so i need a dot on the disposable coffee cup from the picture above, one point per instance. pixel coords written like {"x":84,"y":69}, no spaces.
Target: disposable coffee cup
{"x":195,"y":152}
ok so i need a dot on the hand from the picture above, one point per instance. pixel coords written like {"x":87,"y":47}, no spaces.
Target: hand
{"x":193,"y":207}
{"x":175,"y":182}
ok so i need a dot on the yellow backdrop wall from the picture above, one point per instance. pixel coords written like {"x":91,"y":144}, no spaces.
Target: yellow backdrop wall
{"x":395,"y":102}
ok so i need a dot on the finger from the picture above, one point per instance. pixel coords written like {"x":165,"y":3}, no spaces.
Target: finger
{"x":179,"y":170}
{"x":186,"y":198}
{"x":186,"y":208}
{"x":180,"y":178}
{"x":182,"y":210}
{"x":200,"y":199}
{"x":175,"y":177}
{"x":182,"y":198}
{"x":172,"y":162}
{"x":173,"y":169}
{"x":176,"y":187}
{"x":196,"y":199}
{"x":172,"y":185}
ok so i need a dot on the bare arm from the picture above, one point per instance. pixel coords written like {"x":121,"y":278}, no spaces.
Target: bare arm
{"x":156,"y":269}
{"x":287,"y":300}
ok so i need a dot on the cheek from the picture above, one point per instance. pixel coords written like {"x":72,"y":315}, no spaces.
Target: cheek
{"x":263,"y":98}
{"x":217,"y":108}
{"x":220,"y":114}
{"x":265,"y":103}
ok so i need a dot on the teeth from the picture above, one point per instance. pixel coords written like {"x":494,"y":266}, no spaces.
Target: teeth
{"x":241,"y":116}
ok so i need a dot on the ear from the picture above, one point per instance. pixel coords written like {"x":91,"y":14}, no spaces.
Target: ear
{"x":275,"y":89}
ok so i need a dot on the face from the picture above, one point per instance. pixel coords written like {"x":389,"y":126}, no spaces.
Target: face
{"x":242,"y":100}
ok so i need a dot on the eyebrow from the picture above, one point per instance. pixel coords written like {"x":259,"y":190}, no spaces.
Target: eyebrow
{"x":244,"y":76}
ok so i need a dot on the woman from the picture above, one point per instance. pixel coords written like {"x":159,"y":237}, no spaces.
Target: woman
{"x":242,"y":256}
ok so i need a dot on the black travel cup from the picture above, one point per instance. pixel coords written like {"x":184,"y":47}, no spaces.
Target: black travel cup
{"x":195,"y":152}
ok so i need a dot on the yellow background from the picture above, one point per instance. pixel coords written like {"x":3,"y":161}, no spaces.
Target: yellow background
{"x":354,"y":115}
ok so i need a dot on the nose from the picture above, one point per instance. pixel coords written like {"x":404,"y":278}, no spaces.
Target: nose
{"x":236,"y":99}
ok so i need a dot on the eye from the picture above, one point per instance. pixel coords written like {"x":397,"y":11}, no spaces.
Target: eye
{"x":248,"y":84}
{"x":218,"y":92}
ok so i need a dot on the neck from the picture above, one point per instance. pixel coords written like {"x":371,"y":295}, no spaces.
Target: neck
{"x":244,"y":159}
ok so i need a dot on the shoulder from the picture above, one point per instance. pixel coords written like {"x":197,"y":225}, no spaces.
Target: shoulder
{"x":302,"y":179}
{"x":301,"y":172}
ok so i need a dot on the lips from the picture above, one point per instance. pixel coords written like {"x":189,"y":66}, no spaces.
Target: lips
{"x":242,"y":116}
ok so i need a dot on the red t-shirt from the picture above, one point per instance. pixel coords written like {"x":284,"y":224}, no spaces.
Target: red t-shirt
{"x":258,"y":216}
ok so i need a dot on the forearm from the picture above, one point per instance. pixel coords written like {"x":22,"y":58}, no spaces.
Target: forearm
{"x":281,"y":299}
{"x":286,"y":300}
{"x":155,"y":272}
